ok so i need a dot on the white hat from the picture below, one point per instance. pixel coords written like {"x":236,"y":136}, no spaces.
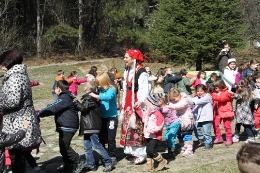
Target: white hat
{"x":231,"y":60}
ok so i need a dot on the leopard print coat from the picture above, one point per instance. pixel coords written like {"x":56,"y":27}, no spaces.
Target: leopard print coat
{"x":17,"y":105}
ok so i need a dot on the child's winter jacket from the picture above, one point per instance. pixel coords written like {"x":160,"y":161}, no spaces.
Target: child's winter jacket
{"x":90,"y":120}
{"x":170,"y":81}
{"x":222,"y":104}
{"x":203,"y":110}
{"x":184,"y":113}
{"x":170,"y":116}
{"x":185,"y":86}
{"x":73,"y":88}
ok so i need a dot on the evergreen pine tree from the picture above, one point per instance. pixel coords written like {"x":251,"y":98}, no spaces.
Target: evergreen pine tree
{"x":194,"y":31}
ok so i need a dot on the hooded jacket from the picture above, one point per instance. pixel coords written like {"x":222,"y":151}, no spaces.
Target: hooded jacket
{"x":222,"y":104}
{"x":170,"y":81}
{"x":73,"y":88}
{"x":66,"y":115}
{"x":90,"y":119}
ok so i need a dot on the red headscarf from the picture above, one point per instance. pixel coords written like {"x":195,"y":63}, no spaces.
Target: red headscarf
{"x":136,"y":54}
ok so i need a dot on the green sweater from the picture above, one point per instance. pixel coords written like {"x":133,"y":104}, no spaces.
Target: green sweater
{"x":185,"y":86}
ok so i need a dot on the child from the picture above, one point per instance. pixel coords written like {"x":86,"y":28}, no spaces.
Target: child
{"x":257,"y":105}
{"x":250,"y":71}
{"x":172,"y":124}
{"x":170,"y":80}
{"x":158,"y":84}
{"x":60,"y":76}
{"x":184,"y":85}
{"x":108,"y":110}
{"x":180,"y":103}
{"x":73,"y":88}
{"x":213,"y":77}
{"x":248,"y":158}
{"x":200,"y":79}
{"x":90,"y":125}
{"x":203,"y":115}
{"x":222,"y":110}
{"x":153,"y":126}
{"x":229,"y":75}
{"x":244,"y":115}
{"x":9,"y":139}
{"x":67,"y":123}
{"x":240,"y":68}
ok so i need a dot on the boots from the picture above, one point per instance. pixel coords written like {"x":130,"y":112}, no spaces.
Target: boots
{"x":149,"y":165}
{"x":189,"y":149}
{"x":162,"y":162}
{"x":171,"y":152}
{"x":228,"y":141}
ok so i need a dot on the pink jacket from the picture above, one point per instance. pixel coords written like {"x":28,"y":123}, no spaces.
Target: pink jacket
{"x":153,"y":122}
{"x":73,"y":88}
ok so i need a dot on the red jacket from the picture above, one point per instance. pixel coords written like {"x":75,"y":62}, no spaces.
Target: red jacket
{"x":222,"y":104}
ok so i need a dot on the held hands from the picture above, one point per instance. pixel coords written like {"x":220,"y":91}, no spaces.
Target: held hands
{"x":94,"y":95}
{"x":25,"y":124}
{"x":137,"y":105}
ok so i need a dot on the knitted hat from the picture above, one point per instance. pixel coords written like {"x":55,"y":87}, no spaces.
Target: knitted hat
{"x":155,"y":98}
{"x":231,"y":60}
{"x":136,"y":54}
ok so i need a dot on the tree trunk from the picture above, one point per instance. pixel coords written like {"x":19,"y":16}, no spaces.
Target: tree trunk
{"x":80,"y":27}
{"x":38,"y":39}
{"x":198,"y":63}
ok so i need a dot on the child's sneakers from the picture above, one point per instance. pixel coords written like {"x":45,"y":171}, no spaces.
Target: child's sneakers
{"x":218,"y":140}
{"x":228,"y":141}
{"x":108,"y":168}
{"x":235,"y":140}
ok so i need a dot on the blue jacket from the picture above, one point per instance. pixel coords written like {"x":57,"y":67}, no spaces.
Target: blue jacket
{"x":66,"y":115}
{"x":247,"y":72}
{"x":203,"y":110}
{"x":108,"y":107}
{"x":170,"y":81}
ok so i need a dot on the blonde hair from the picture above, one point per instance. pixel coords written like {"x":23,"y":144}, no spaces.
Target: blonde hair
{"x":165,"y":99}
{"x":103,"y":80}
{"x":90,"y":86}
{"x":174,"y":93}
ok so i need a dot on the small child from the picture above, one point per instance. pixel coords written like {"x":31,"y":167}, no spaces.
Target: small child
{"x":229,"y":75}
{"x":257,"y":105}
{"x":248,"y":158}
{"x":170,"y":80}
{"x":172,"y":124}
{"x":201,"y":76}
{"x":244,"y":115}
{"x":73,"y":88}
{"x":213,"y":77}
{"x":60,"y":76}
{"x":9,"y":139}
{"x":184,"y":85}
{"x":67,"y":123}
{"x":222,"y":110}
{"x":108,"y":110}
{"x":90,"y":125}
{"x":180,"y":103}
{"x":153,"y":126}
{"x":250,"y":70}
{"x":203,"y":115}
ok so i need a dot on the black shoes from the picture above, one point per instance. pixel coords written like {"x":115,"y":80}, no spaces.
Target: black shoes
{"x":79,"y":166}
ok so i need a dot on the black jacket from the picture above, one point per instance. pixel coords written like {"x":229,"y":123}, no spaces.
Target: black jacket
{"x":90,"y":120}
{"x":8,"y":140}
{"x":170,"y":81}
{"x":223,"y":59}
{"x":66,"y":115}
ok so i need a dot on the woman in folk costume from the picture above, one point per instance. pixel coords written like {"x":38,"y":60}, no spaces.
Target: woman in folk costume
{"x":135,"y":90}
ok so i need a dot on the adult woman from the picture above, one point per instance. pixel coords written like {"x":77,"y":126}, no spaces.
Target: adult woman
{"x":17,"y":105}
{"x":135,"y":88}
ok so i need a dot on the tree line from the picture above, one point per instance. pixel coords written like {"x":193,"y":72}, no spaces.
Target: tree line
{"x":181,"y":31}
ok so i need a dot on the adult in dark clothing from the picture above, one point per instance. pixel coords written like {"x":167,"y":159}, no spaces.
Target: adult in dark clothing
{"x":67,"y":123}
{"x":223,"y":57}
{"x":90,"y":126}
{"x":170,"y":80}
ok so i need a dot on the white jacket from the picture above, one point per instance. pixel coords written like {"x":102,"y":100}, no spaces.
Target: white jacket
{"x":229,"y":77}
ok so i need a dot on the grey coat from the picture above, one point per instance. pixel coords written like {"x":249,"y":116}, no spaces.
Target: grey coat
{"x":17,"y":105}
{"x":203,"y":109}
{"x":243,"y":112}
